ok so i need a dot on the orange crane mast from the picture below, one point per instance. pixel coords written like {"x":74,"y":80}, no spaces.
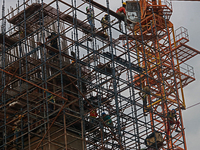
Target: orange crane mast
{"x":161,"y":56}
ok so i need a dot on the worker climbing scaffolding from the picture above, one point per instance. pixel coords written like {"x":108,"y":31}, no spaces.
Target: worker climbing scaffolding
{"x":73,"y":55}
{"x":54,"y":42}
{"x":104,"y":23}
{"x":73,"y":69}
{"x":171,"y":120}
{"x":107,"y":120}
{"x":144,"y":95}
{"x":16,"y":130}
{"x":93,"y":115}
{"x":90,"y":16}
{"x":51,"y":98}
{"x":122,"y":12}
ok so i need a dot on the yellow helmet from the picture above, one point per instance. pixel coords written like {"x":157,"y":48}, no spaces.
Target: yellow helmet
{"x":124,"y":3}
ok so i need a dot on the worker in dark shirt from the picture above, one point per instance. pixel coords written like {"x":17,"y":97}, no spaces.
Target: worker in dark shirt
{"x":122,"y":12}
{"x":171,"y":120}
{"x":16,"y":133}
{"x":54,"y":42}
{"x":107,"y":120}
{"x":52,"y":100}
{"x":90,"y":16}
{"x":144,"y":95}
{"x":104,"y":23}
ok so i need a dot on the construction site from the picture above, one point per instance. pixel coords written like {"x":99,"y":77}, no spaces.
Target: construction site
{"x":70,"y":81}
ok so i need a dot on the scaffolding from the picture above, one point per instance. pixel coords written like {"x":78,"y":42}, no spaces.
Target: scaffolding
{"x":60,"y":76}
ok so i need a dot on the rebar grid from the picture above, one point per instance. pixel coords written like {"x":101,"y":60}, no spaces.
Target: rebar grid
{"x":48,"y":92}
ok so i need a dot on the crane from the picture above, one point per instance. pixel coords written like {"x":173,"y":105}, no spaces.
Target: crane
{"x":162,"y":57}
{"x":161,"y":52}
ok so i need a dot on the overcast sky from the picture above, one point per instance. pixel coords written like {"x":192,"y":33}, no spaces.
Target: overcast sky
{"x":186,"y":14}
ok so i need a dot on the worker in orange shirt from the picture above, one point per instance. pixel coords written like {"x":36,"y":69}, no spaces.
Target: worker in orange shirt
{"x":93,"y":115}
{"x":122,"y":12}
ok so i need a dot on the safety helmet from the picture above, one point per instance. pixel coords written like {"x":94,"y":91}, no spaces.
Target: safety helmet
{"x":103,"y":113}
{"x":174,"y":110}
{"x":124,"y":3}
{"x":106,"y":16}
{"x":53,"y":33}
{"x":87,"y":8}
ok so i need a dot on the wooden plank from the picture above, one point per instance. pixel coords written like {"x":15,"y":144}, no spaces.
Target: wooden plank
{"x":52,"y":13}
{"x":8,"y":41}
{"x":137,"y":37}
{"x":55,"y":50}
{"x":28,"y":12}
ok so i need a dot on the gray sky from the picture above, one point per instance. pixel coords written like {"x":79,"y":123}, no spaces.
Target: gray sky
{"x":186,"y":14}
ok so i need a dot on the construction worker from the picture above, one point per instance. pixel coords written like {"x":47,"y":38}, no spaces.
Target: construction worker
{"x":107,"y":120}
{"x":19,"y":117}
{"x":93,"y":115}
{"x":52,"y":99}
{"x":90,"y":16}
{"x":72,"y":67}
{"x":144,"y":94}
{"x":16,"y":134}
{"x":54,"y":42}
{"x":73,"y":55}
{"x":171,"y":120}
{"x":122,"y":12}
{"x":104,"y":23}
